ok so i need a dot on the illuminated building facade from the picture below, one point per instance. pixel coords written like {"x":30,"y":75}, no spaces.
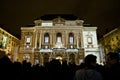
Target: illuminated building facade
{"x":111,"y":41}
{"x":59,"y":39}
{"x":9,"y":44}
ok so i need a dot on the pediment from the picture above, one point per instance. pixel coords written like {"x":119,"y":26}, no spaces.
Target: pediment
{"x":58,"y":20}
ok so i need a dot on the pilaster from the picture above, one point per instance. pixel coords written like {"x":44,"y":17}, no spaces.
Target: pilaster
{"x":36,"y":39}
{"x":40,"y":35}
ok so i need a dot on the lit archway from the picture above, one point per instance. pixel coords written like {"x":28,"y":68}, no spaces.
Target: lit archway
{"x":59,"y":57}
{"x":72,"y":58}
{"x":45,"y":58}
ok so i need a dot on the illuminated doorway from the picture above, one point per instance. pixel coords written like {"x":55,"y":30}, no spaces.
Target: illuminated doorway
{"x":72,"y":58}
{"x":59,"y":58}
{"x":45,"y":58}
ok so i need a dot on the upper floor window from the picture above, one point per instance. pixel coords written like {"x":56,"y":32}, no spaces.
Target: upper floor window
{"x":89,"y":39}
{"x":46,"y":38}
{"x":71,"y":38}
{"x":59,"y":37}
{"x":28,"y":40}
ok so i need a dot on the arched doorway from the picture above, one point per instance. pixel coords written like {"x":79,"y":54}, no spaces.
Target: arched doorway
{"x":59,"y":57}
{"x":45,"y":58}
{"x":72,"y":58}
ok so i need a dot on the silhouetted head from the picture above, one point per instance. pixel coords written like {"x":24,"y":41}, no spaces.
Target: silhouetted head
{"x":4,"y":60}
{"x":90,"y":60}
{"x":112,"y":58}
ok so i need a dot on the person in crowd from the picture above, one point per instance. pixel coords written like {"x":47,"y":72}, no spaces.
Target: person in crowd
{"x":112,"y":67}
{"x":5,"y":66}
{"x":89,"y":72}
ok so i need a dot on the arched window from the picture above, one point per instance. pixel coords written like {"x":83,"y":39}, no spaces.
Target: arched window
{"x":71,"y":38}
{"x":59,"y":38}
{"x":46,"y":38}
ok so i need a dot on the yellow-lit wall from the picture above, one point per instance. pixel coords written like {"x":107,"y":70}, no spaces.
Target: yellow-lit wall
{"x":111,"y":41}
{"x":11,"y":42}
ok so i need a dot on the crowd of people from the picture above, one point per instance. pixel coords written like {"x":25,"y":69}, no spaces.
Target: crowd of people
{"x":54,"y":70}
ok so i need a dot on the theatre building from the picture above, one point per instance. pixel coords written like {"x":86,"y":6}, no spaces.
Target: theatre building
{"x":59,"y":39}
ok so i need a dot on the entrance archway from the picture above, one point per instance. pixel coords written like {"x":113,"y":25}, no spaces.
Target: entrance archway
{"x":45,"y":58}
{"x":59,"y":57}
{"x":72,"y":58}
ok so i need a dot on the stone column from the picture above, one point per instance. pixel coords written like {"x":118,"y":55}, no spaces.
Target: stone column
{"x":66,"y":39}
{"x":50,"y":58}
{"x":54,"y":39}
{"x":67,"y":57}
{"x":51,"y":45}
{"x":32,"y":56}
{"x":42,"y":38}
{"x":41,"y":59}
{"x":75,"y":58}
{"x":75,"y":39}
{"x":63,"y":39}
{"x":36,"y":39}
{"x":77,"y":42}
{"x":54,"y":55}
{"x":79,"y":38}
{"x":40,"y":35}
{"x":82,"y":42}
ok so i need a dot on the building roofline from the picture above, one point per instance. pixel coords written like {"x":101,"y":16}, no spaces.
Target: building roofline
{"x":8,"y":33}
{"x":110,"y":32}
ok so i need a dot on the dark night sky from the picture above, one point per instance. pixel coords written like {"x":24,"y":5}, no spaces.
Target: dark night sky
{"x":105,"y":14}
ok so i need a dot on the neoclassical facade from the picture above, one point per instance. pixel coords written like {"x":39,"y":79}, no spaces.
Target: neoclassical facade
{"x":59,"y":39}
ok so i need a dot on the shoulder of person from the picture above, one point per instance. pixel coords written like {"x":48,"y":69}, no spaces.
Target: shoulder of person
{"x":88,"y":74}
{"x":93,"y":74}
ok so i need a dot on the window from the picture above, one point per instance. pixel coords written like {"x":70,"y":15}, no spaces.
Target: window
{"x":28,"y":40}
{"x":89,"y":40}
{"x":71,"y":38}
{"x":59,"y":38}
{"x":46,"y":38}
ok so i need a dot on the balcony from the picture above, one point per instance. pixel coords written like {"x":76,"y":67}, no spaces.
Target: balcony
{"x":26,"y":50}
